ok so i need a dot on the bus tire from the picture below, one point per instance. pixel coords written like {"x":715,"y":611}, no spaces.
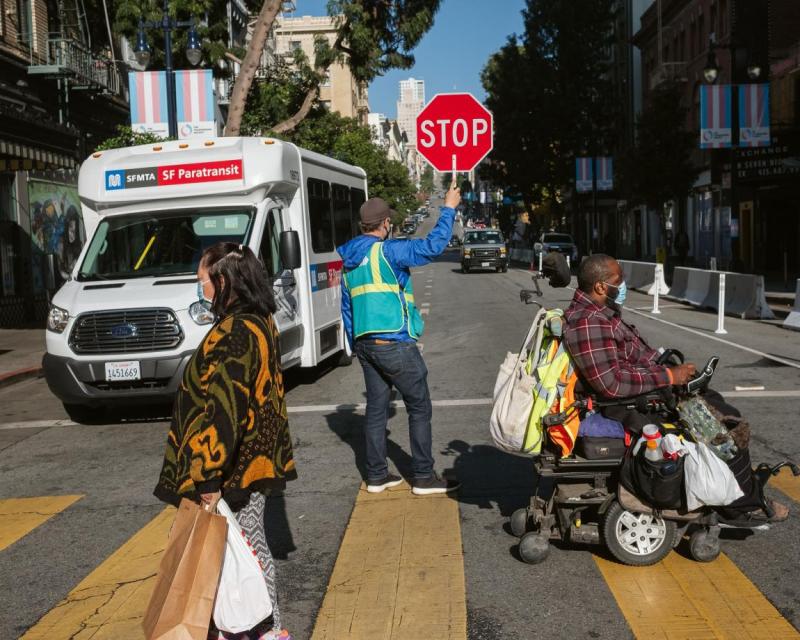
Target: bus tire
{"x":344,"y":359}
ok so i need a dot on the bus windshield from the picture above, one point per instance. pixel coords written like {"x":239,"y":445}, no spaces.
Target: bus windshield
{"x":166,"y":243}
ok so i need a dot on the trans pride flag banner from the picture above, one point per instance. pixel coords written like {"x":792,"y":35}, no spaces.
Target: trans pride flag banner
{"x":583,"y":174}
{"x":715,"y":116}
{"x":584,"y":169}
{"x":754,"y":115}
{"x":605,"y":174}
{"x":148,"y":96}
{"x":194,"y":99}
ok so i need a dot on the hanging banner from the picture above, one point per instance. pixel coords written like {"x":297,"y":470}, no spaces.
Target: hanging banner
{"x":148,"y":96}
{"x":194,"y":98}
{"x":583,"y":174}
{"x":754,"y":115}
{"x":605,"y":174}
{"x":715,"y":116}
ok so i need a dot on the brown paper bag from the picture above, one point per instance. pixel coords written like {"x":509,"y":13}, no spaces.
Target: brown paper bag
{"x":186,"y":585}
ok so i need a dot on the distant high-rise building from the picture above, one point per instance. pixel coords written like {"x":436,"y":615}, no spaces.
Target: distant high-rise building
{"x":412,"y":100}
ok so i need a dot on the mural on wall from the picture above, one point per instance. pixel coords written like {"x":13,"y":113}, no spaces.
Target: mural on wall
{"x":56,"y":227}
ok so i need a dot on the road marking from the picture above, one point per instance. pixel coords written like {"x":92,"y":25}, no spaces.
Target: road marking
{"x":37,"y":424}
{"x":399,"y":573}
{"x":426,"y":304}
{"x":681,"y":598}
{"x":429,"y":286}
{"x":20,"y":516}
{"x":711,"y":336}
{"x":787,"y":483}
{"x":110,"y":602}
{"x":424,"y":312}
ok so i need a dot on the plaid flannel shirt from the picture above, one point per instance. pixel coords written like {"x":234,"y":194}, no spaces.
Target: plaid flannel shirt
{"x":609,"y":353}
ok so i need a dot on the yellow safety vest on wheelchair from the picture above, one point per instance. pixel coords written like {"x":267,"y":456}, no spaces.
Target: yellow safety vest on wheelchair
{"x":379,"y":304}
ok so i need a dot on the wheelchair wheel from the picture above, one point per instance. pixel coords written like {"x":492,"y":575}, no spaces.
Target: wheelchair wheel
{"x":637,"y":539}
{"x":703,"y":547}
{"x":519,"y":522}
{"x":534,"y":547}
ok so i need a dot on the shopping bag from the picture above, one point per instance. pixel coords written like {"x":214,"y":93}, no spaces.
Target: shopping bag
{"x":708,"y":480}
{"x":242,"y":597}
{"x":183,"y":597}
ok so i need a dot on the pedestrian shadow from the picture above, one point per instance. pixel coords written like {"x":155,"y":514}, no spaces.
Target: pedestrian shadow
{"x":276,"y":526}
{"x":491,"y":478}
{"x":348,"y":424}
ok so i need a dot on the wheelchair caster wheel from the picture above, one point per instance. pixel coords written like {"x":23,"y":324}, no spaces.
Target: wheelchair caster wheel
{"x":637,"y":539}
{"x":519,"y":522}
{"x":534,"y":547}
{"x":704,"y":546}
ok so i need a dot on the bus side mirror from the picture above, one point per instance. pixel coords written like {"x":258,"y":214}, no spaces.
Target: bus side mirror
{"x":290,"y":249}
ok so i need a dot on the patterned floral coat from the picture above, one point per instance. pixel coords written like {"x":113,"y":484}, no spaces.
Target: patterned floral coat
{"x":229,"y":427}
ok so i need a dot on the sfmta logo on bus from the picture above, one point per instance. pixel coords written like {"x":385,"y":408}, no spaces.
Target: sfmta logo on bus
{"x":174,"y":174}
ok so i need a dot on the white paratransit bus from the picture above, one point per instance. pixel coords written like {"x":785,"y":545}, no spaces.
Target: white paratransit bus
{"x":124,"y":326}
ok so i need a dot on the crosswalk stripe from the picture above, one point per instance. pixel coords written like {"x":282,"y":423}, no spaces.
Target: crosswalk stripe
{"x":399,"y":573}
{"x":110,"y":602}
{"x":787,"y":483}
{"x":20,"y":516}
{"x":681,"y":598}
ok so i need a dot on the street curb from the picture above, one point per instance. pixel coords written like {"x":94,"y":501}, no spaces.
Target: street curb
{"x":12,"y":377}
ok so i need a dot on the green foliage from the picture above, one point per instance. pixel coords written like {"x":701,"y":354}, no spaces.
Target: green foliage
{"x":549,"y":93}
{"x":127,"y":137}
{"x":659,"y":167}
{"x":426,"y":182}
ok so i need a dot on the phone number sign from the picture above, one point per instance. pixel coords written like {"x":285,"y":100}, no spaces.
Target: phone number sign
{"x":173,"y":174}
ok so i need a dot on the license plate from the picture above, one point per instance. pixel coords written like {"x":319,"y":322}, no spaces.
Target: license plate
{"x":486,"y":264}
{"x":123,"y":371}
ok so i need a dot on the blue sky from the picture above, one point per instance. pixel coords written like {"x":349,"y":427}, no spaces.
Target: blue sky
{"x":451,"y":55}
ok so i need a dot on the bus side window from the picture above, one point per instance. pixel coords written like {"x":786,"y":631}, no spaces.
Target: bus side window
{"x":342,"y":215}
{"x":321,"y":215}
{"x":357,"y":198}
{"x":269,"y":252}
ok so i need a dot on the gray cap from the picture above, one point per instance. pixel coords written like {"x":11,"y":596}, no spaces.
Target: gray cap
{"x":375,"y":210}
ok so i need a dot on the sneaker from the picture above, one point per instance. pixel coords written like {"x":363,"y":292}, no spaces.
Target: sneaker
{"x":389,"y":480}
{"x":433,"y":484}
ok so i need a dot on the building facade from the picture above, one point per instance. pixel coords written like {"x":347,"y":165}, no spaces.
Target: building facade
{"x":340,"y":92}
{"x":411,"y":102}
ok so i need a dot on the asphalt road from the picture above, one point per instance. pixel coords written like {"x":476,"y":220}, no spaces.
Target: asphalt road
{"x":473,"y":320}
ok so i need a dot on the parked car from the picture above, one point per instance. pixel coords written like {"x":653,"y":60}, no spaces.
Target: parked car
{"x":560,"y":242}
{"x":483,"y":249}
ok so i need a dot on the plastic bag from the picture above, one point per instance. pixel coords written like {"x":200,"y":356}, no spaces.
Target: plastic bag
{"x":708,"y":480}
{"x":242,"y":596}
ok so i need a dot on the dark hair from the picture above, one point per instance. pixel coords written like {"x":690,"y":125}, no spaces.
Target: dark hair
{"x":245,"y":280}
{"x":371,"y":226}
{"x":592,"y":270}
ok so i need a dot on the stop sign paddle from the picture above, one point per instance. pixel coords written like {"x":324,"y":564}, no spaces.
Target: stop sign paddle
{"x":454,"y":131}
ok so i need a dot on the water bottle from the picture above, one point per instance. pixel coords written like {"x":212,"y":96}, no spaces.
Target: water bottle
{"x":652,"y":441}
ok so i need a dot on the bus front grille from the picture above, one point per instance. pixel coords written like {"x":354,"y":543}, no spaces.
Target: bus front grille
{"x":125,"y":331}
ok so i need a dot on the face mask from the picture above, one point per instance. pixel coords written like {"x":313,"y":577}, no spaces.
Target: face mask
{"x":201,"y":296}
{"x":622,"y":292}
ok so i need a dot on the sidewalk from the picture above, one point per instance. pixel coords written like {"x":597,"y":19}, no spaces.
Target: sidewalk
{"x":21,"y":352}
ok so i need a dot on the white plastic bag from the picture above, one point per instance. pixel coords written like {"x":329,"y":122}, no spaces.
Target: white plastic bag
{"x":242,"y":596}
{"x":708,"y":479}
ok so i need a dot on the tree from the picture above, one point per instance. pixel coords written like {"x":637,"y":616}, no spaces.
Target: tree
{"x":372,"y":37}
{"x":127,"y":137}
{"x":426,"y":182}
{"x":549,"y":92}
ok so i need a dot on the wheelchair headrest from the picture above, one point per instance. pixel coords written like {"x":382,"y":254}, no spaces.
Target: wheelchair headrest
{"x":554,"y":267}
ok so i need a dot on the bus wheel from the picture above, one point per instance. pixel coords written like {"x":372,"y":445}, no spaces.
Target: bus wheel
{"x":344,"y":360}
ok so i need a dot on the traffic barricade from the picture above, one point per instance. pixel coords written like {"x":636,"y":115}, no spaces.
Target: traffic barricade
{"x":793,"y":319}
{"x":680,"y":281}
{"x":744,"y":293}
{"x":641,"y":276}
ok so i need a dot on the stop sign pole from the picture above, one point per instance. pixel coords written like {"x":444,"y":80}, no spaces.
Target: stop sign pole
{"x":455,"y":131}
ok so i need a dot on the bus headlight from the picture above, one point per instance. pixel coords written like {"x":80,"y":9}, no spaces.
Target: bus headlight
{"x":57,"y":319}
{"x":201,"y":314}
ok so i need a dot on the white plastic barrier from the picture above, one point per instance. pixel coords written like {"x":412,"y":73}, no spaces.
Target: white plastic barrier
{"x":793,"y":319}
{"x":642,"y":277}
{"x":744,"y":293}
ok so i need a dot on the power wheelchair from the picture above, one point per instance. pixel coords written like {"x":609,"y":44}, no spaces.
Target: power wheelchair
{"x":580,"y":500}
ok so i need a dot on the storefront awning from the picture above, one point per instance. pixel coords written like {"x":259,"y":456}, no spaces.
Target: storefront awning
{"x":16,"y":150}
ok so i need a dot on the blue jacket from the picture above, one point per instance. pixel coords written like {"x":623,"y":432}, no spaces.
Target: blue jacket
{"x":401,"y":255}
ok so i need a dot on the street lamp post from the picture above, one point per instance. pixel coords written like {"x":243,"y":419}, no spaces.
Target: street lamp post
{"x":194,"y":53}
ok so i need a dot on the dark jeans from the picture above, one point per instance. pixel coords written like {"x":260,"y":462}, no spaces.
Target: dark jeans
{"x":398,"y":365}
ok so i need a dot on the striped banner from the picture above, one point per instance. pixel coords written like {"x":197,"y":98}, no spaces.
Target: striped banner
{"x":605,"y":174}
{"x":194,"y":94}
{"x":754,"y":115}
{"x":583,"y":174}
{"x":715,"y":116}
{"x":148,"y":96}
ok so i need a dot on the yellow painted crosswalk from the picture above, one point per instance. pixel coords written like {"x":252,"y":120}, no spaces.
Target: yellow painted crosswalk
{"x":787,"y":483}
{"x":20,"y":516}
{"x":110,"y":602}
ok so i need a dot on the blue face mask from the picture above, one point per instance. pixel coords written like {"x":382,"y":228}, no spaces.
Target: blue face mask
{"x":201,"y":296}
{"x":622,"y":292}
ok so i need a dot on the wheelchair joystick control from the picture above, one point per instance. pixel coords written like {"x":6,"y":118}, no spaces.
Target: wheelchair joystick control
{"x":700,"y":382}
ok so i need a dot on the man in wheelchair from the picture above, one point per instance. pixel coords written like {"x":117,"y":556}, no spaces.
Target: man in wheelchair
{"x":615,"y":362}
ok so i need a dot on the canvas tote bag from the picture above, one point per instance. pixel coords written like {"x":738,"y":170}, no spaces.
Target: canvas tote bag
{"x":513,"y":393}
{"x":183,"y":597}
